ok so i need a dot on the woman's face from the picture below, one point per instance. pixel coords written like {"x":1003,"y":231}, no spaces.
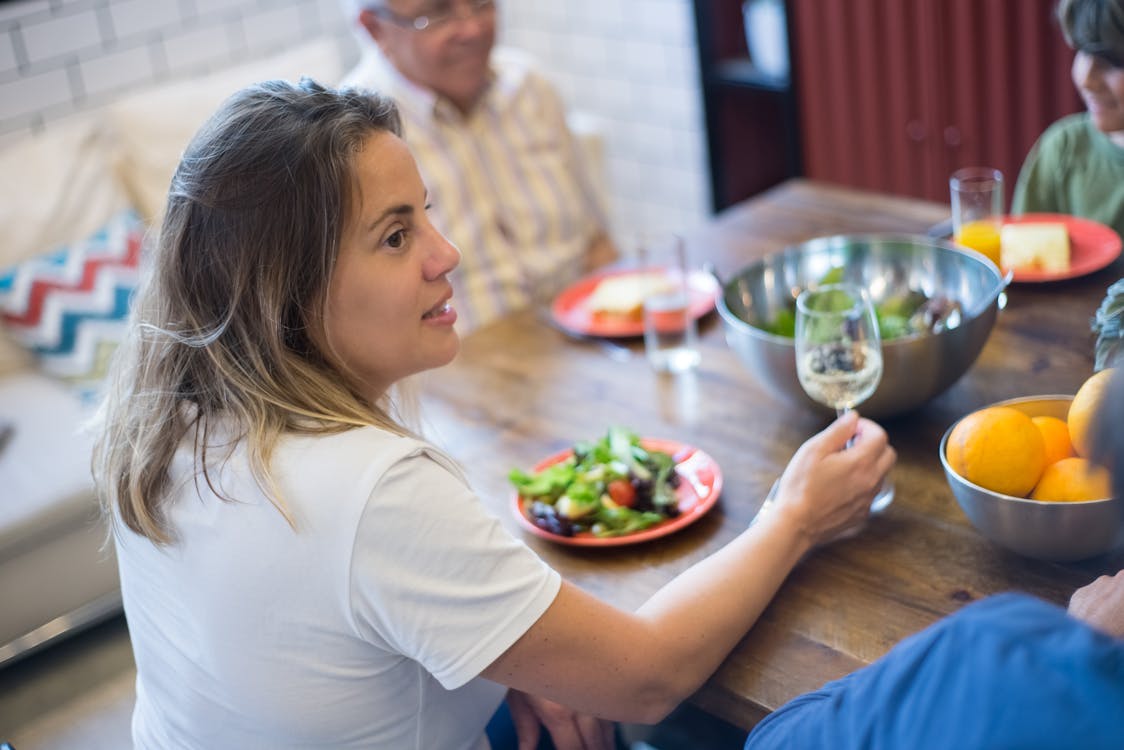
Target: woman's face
{"x":1101,"y":85}
{"x":388,"y":313}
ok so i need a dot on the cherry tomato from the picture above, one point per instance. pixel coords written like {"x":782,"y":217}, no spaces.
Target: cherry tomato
{"x":622,"y":492}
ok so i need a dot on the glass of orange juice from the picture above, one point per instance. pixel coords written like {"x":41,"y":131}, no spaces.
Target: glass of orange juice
{"x":977,"y":209}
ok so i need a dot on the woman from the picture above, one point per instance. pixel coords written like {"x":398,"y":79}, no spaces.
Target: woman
{"x":298,"y":569}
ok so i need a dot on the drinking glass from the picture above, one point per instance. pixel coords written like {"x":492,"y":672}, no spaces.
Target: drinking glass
{"x":839,"y":352}
{"x":670,"y":335}
{"x":977,"y":209}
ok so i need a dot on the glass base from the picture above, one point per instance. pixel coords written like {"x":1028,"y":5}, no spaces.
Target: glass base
{"x":677,"y":359}
{"x":883,"y":499}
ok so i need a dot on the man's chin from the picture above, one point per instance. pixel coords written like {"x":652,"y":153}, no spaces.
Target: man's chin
{"x":469,"y":92}
{"x":1109,"y":123}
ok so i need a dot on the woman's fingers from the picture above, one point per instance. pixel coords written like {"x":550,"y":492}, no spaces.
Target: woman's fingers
{"x":568,"y":729}
{"x":597,"y":734}
{"x":836,"y":435}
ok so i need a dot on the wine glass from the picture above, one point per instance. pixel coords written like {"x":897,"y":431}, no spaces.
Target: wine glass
{"x":839,"y":352}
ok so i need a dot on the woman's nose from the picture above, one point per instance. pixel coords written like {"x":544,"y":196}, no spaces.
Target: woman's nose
{"x":443,"y":258}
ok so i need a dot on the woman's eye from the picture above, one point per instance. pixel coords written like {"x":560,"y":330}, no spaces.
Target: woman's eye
{"x":397,"y":240}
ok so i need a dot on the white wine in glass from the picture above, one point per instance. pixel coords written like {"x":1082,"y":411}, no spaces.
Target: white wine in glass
{"x":839,"y":352}
{"x":840,"y":375}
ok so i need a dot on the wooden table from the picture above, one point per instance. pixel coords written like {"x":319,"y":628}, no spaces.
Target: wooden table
{"x":521,"y":390}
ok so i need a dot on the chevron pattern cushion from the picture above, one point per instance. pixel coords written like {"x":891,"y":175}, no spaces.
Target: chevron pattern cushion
{"x":69,"y":307}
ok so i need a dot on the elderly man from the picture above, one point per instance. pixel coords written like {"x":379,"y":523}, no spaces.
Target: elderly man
{"x":507,"y":181}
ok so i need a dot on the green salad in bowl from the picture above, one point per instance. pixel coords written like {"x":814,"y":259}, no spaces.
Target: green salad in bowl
{"x":899,"y":315}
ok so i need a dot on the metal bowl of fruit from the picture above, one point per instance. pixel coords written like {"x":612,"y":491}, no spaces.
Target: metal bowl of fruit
{"x":1055,"y":530}
{"x":936,"y":304}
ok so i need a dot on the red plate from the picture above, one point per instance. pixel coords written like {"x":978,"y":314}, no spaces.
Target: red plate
{"x":699,"y":486}
{"x":569,"y":309}
{"x":1092,"y":246}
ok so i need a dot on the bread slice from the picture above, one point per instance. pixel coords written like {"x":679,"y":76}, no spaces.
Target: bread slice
{"x":623,"y":295}
{"x":1037,"y":246}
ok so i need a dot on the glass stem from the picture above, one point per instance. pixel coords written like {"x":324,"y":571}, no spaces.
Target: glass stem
{"x":840,"y":411}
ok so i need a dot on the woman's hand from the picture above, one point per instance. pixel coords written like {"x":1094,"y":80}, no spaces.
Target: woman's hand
{"x":828,"y":486}
{"x":568,"y":729}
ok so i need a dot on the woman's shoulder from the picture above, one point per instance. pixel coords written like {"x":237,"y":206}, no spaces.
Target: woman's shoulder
{"x":360,"y":452}
{"x":340,"y":446}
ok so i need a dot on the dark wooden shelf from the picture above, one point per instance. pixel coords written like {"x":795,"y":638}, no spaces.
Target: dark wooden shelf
{"x":741,"y":72}
{"x":753,"y":139}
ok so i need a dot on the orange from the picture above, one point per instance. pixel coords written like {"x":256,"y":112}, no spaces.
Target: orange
{"x":1083,"y":410}
{"x":998,"y":448}
{"x":1056,"y":435}
{"x":1073,"y":479}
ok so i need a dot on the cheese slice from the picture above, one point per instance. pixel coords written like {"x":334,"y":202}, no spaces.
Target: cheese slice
{"x":623,"y":295}
{"x":1038,"y":246}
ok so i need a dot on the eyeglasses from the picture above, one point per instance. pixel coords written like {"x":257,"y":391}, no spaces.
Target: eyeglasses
{"x":441,"y":14}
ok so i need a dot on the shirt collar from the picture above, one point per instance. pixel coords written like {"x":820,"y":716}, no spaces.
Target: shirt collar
{"x":426,"y":104}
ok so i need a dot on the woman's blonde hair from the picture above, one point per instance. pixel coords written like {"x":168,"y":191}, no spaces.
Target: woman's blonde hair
{"x":1095,"y":27}
{"x":228,"y":324}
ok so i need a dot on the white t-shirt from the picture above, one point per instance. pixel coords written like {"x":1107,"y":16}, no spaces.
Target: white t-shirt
{"x":365,"y":627}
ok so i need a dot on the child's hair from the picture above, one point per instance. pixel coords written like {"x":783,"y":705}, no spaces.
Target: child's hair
{"x":1095,"y":27}
{"x":228,"y":327}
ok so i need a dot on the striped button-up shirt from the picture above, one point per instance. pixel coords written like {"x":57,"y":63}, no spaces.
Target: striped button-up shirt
{"x":508,"y":184}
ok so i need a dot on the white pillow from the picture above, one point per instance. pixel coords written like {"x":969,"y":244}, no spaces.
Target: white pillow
{"x":156,"y":125}
{"x":55,"y":188}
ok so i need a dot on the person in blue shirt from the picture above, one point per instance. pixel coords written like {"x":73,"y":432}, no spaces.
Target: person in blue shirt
{"x":1009,"y":671}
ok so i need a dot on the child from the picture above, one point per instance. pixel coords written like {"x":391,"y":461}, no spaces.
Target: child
{"x":1077,"y":165}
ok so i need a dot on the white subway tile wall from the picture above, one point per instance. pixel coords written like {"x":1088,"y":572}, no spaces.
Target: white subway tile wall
{"x":629,"y":63}
{"x":62,"y":57}
{"x":633,"y":65}
{"x":138,"y":17}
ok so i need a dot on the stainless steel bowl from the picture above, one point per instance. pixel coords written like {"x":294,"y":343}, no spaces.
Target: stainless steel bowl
{"x":1060,"y":532}
{"x":915,"y":368}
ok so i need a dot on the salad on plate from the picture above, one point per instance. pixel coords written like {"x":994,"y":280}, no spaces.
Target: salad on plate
{"x":609,"y":487}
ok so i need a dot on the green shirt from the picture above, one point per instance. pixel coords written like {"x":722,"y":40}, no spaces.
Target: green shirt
{"x":1073,"y":169}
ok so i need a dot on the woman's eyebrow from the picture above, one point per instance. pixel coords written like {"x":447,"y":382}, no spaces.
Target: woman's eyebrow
{"x":403,"y":210}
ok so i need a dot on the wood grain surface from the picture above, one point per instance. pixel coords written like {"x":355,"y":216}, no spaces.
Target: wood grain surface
{"x":521,"y":390}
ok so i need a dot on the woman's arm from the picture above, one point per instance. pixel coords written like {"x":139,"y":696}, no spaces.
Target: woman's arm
{"x":638,"y":666}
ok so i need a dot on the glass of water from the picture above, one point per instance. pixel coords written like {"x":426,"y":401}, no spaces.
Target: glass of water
{"x":670,"y":332}
{"x":839,"y":352}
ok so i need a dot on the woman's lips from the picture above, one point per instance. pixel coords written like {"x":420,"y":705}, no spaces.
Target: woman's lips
{"x":437,"y":310}
{"x":442,"y":313}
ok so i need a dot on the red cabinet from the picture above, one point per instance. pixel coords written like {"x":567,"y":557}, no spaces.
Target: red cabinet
{"x":894,"y":95}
